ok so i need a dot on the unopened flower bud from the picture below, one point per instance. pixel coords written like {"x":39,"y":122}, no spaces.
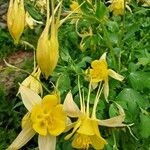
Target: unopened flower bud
{"x":16,"y":19}
{"x":33,"y":81}
{"x":47,"y":50}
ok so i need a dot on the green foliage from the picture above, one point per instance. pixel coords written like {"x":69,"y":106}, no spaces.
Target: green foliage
{"x":127,"y":43}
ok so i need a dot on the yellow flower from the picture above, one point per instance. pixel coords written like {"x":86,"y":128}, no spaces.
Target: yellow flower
{"x":146,"y":3}
{"x":74,"y":7}
{"x":117,"y":6}
{"x":87,"y":134}
{"x":33,"y":81}
{"x":100,"y":72}
{"x":48,"y":117}
{"x":48,"y":47}
{"x":41,"y":4}
{"x":45,"y":117}
{"x":16,"y":19}
{"x":85,"y":129}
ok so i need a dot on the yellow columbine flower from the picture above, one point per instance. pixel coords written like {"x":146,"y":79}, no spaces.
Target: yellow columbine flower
{"x":41,"y":4}
{"x":87,"y":134}
{"x":45,"y":117}
{"x":100,"y":72}
{"x":85,"y":129}
{"x":33,"y":81}
{"x":48,"y":47}
{"x":75,"y":7}
{"x":146,"y":3}
{"x":117,"y":6}
{"x":16,"y":19}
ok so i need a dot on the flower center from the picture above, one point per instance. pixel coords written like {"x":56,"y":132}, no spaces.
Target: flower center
{"x":99,"y":71}
{"x":48,"y":117}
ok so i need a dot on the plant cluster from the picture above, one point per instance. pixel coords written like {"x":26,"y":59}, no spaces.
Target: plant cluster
{"x":90,"y":84}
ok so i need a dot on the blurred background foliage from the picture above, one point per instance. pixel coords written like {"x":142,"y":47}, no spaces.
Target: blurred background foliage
{"x":129,"y":39}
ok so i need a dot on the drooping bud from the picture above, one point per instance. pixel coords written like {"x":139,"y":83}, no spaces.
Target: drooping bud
{"x":33,"y":81}
{"x":47,"y":49}
{"x":16,"y":19}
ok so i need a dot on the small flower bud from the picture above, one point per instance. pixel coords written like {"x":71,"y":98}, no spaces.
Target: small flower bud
{"x":47,"y":50}
{"x":16,"y":19}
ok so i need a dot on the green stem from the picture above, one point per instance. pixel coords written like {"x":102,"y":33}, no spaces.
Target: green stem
{"x":81,"y":100}
{"x":88,"y":99}
{"x":14,"y":67}
{"x":109,"y":44}
{"x":120,"y":41}
{"x":115,"y":143}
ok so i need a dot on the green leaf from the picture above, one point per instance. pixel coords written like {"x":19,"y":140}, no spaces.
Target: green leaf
{"x":145,"y":125}
{"x":33,"y":12}
{"x":140,"y":80}
{"x":144,"y":61}
{"x":112,"y":111}
{"x":64,"y":83}
{"x":132,"y":99}
{"x":100,"y":10}
{"x":83,"y":62}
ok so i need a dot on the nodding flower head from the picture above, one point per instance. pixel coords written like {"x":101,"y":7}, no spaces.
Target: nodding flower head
{"x":47,"y":53}
{"x":16,"y":19}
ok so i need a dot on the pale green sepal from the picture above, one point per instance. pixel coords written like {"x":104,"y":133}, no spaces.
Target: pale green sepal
{"x":47,"y":142}
{"x":71,"y":107}
{"x":29,"y":97}
{"x":115,"y":75}
{"x":24,"y":136}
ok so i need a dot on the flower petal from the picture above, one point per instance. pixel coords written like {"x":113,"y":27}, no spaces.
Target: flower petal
{"x":47,"y":142}
{"x":71,"y":107}
{"x":95,"y":64}
{"x":29,"y":97}
{"x":106,"y":89}
{"x":49,"y":102}
{"x":103,"y":56}
{"x":59,"y":113}
{"x":25,"y":120}
{"x":113,"y":122}
{"x":86,"y":127}
{"x":40,"y":127}
{"x":57,"y":127}
{"x":98,"y":142}
{"x":24,"y":136}
{"x":115,"y":75}
{"x":81,"y":141}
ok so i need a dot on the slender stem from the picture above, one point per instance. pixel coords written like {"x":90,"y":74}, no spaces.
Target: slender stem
{"x":88,"y":99}
{"x":27,"y":44}
{"x":109,"y":44}
{"x":120,"y":41}
{"x":14,"y":67}
{"x":67,"y":17}
{"x":34,"y":59}
{"x":48,"y":15}
{"x":81,"y":101}
{"x":53,"y":17}
{"x":100,"y":89}
{"x":115,"y":144}
{"x":59,"y":13}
